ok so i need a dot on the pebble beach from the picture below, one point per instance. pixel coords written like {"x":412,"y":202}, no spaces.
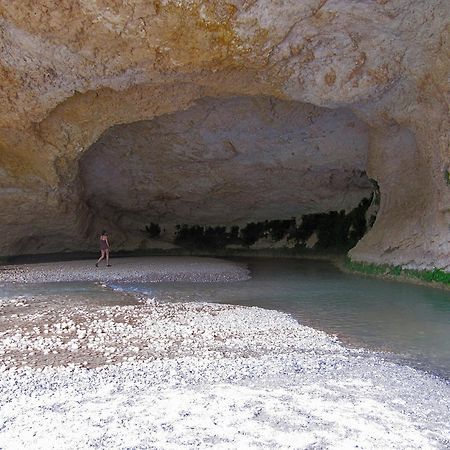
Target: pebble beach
{"x":150,"y":269}
{"x":136,"y":373}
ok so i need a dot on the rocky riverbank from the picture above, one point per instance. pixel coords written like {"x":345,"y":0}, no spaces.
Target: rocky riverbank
{"x":155,"y":375}
{"x":143,"y":269}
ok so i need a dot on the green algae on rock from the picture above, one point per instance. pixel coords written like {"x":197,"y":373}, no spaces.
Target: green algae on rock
{"x":435,"y":275}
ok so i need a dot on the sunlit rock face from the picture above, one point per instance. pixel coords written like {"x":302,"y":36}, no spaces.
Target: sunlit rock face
{"x":228,"y":162}
{"x":72,"y":70}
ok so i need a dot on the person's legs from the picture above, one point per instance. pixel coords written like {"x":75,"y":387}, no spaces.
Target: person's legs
{"x":107,"y":258}
{"x":101,"y":257}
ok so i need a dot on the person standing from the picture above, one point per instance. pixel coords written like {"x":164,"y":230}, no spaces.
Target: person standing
{"x":104,"y":249}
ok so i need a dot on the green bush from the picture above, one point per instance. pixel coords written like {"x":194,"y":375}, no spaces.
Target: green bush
{"x":154,"y":230}
{"x":252,"y":232}
{"x":205,"y":238}
{"x":335,"y":230}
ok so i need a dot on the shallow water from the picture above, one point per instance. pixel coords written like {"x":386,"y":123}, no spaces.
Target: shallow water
{"x":64,"y":294}
{"x":410,"y":322}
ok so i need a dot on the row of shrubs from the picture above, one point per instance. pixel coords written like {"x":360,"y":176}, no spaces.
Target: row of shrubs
{"x":336,"y":230}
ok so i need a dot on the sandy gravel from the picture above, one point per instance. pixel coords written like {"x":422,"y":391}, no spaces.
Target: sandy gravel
{"x":164,"y":268}
{"x":177,"y":376}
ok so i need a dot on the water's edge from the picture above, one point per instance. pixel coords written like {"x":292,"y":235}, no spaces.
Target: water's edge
{"x":436,"y":279}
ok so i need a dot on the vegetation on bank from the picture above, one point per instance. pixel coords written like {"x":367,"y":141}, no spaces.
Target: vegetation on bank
{"x":333,"y":230}
{"x":153,"y":230}
{"x":435,"y":275}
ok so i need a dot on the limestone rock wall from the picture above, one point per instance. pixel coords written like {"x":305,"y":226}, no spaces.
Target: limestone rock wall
{"x":70,"y":70}
{"x":227,"y":162}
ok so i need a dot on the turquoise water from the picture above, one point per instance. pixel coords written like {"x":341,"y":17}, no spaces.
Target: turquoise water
{"x":63,"y":294}
{"x":410,"y":322}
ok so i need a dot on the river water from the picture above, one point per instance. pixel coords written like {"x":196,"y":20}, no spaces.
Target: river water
{"x":408,"y":323}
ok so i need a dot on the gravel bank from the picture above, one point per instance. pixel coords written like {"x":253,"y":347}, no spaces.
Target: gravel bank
{"x":150,"y":375}
{"x":148,"y":269}
{"x":127,"y":372}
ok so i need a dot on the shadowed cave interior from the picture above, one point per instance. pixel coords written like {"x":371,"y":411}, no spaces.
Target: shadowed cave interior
{"x":239,"y":171}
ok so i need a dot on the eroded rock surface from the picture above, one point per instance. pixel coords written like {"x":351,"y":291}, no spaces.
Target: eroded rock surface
{"x":228,"y":162}
{"x":70,"y":70}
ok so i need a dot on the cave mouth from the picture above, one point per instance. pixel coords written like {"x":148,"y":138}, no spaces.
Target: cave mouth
{"x":228,"y":162}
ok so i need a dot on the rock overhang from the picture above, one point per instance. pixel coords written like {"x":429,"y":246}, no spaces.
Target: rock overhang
{"x":228,"y":161}
{"x":72,"y":72}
